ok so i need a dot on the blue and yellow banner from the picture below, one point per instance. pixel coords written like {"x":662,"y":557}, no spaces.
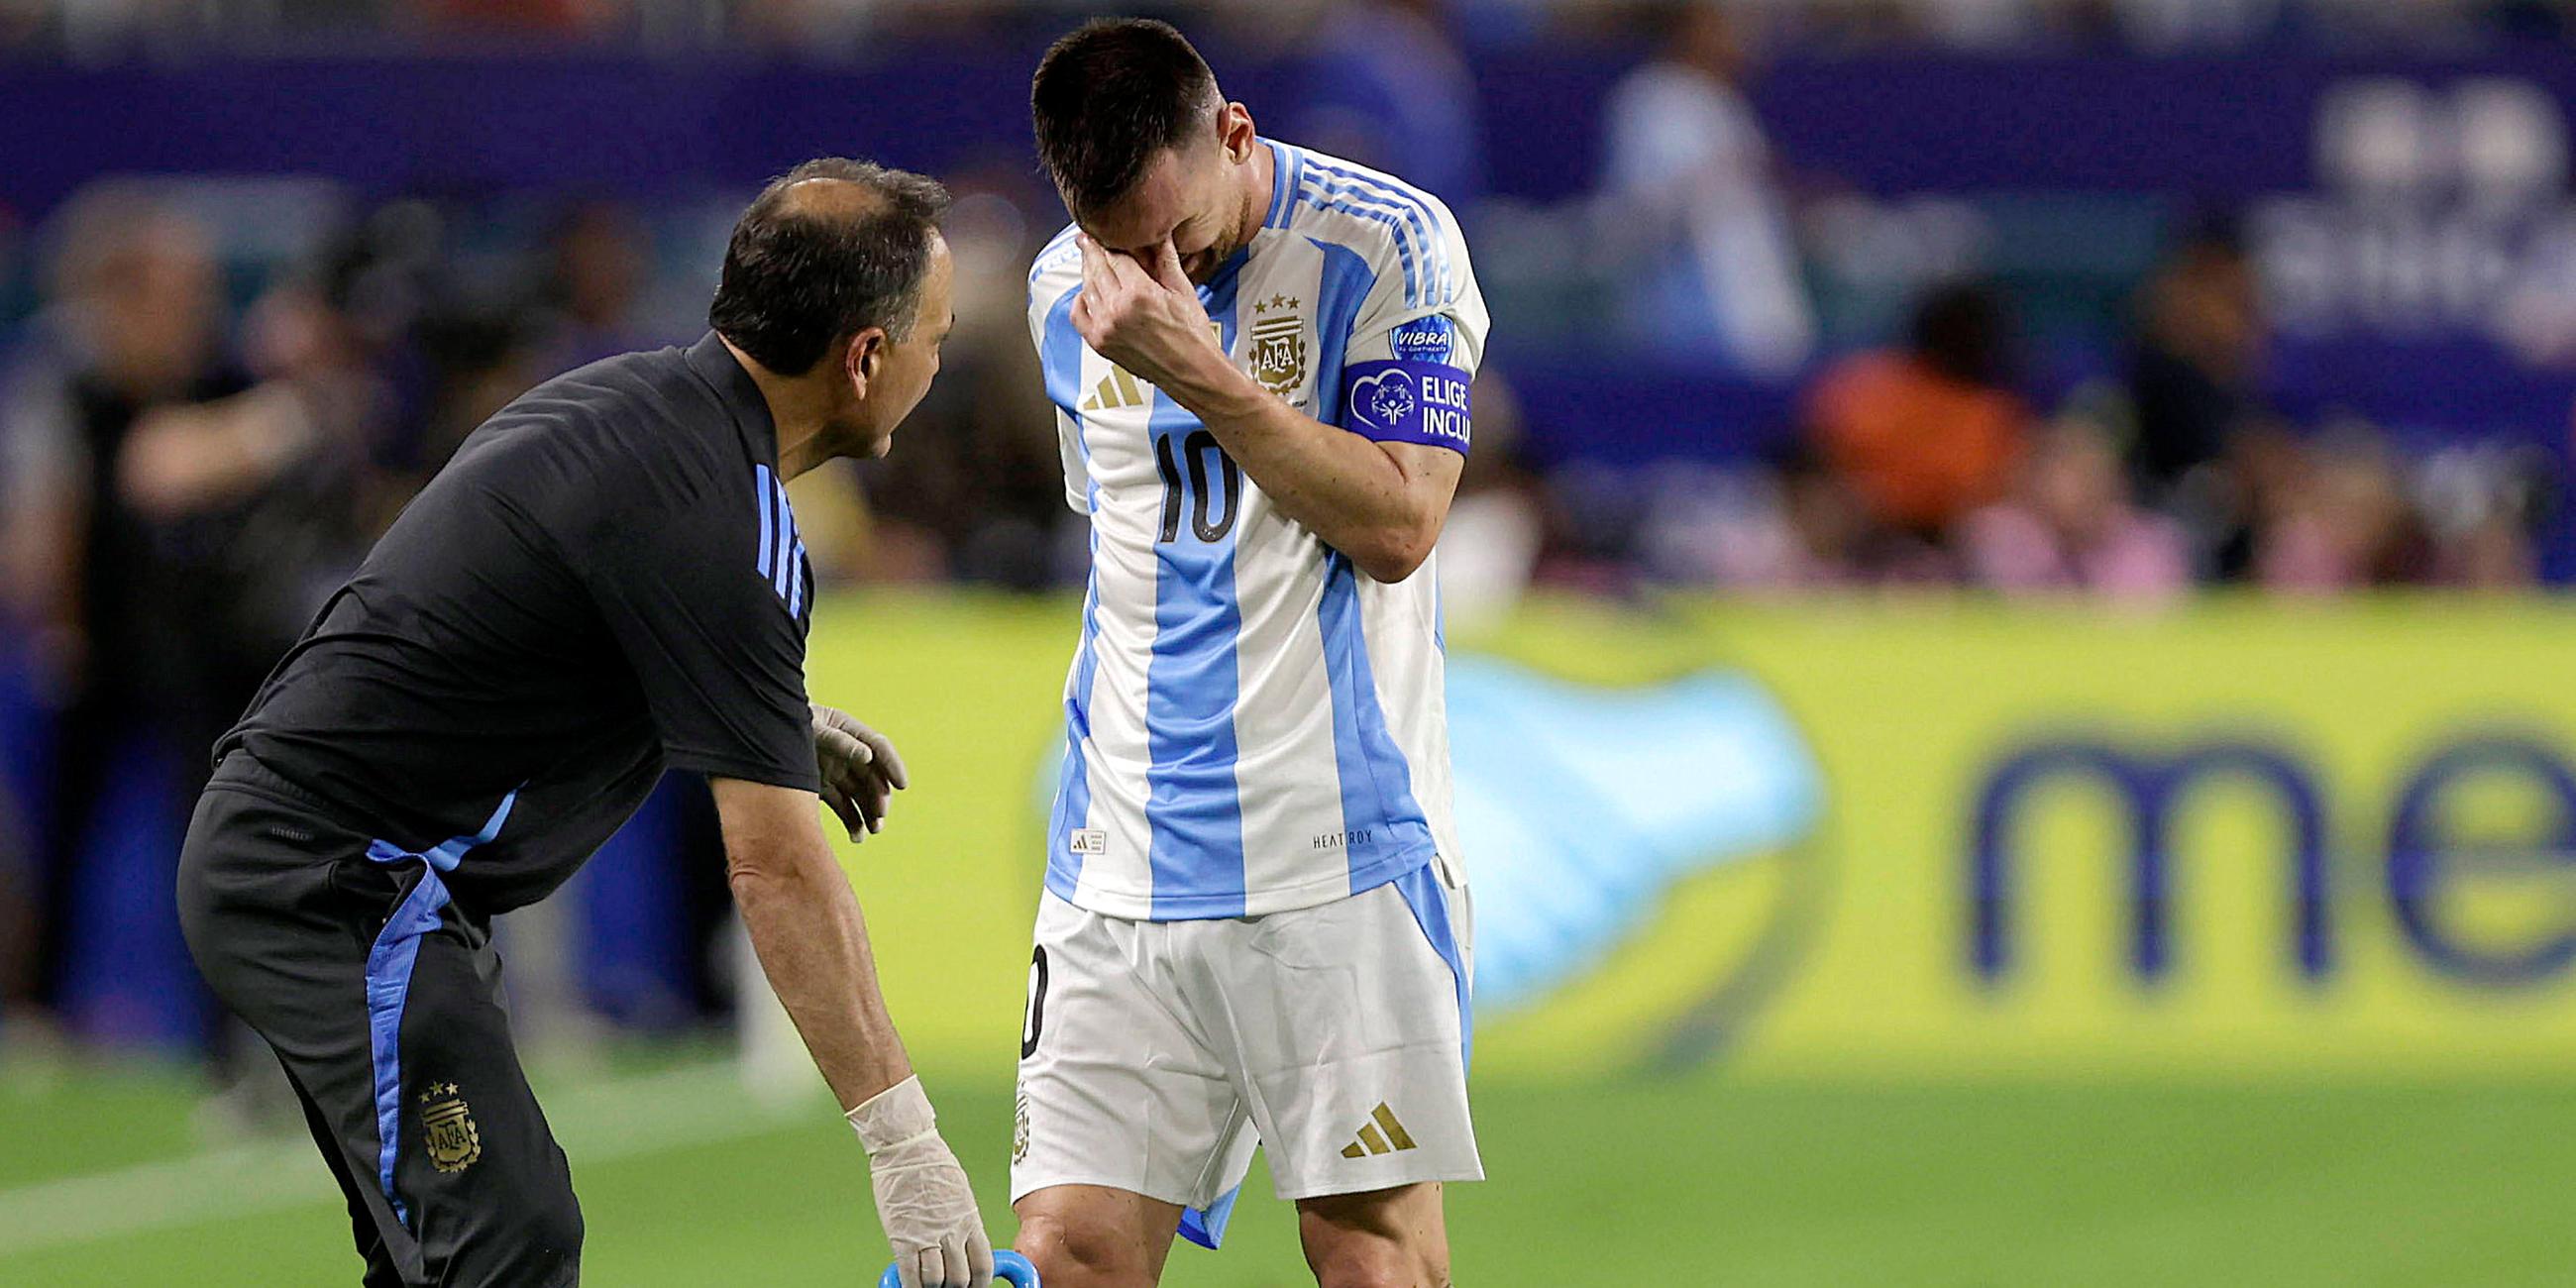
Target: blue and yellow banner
{"x":1906,"y":837}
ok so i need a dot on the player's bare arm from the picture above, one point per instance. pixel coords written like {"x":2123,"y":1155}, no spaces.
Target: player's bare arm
{"x":1382,"y":504}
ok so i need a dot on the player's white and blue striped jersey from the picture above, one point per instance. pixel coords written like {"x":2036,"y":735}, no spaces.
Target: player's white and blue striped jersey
{"x":1255,"y":724}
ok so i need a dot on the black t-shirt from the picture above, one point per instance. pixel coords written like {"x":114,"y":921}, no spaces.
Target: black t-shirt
{"x":603,"y":582}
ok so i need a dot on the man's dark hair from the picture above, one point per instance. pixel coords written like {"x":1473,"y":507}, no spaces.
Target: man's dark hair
{"x":807,"y":266}
{"x":1110,"y":95}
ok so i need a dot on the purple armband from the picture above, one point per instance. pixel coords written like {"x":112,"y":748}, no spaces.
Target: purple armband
{"x":1407,"y":402}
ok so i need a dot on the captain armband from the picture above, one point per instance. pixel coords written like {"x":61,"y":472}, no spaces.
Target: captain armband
{"x":1407,"y":402}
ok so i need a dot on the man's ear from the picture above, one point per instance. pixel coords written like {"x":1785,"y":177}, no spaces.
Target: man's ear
{"x":1235,"y":131}
{"x":859,"y":362}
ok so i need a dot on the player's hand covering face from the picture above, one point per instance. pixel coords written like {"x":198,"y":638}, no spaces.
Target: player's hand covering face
{"x":861,"y":771}
{"x":1142,"y":314}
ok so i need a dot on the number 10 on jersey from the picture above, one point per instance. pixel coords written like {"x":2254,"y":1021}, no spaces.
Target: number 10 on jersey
{"x":1211,"y":516}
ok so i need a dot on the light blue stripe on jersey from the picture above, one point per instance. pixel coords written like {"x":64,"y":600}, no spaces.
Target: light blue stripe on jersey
{"x":1418,"y":217}
{"x":1284,"y":169}
{"x":1192,"y":806}
{"x":1317,"y":198}
{"x":782,"y":551}
{"x":784,"y":574}
{"x":764,"y":487}
{"x":1060,"y":357}
{"x":1419,"y":245}
{"x":1345,"y":285}
{"x":1206,"y":1227}
{"x":1377,"y":783}
{"x":1055,"y":249}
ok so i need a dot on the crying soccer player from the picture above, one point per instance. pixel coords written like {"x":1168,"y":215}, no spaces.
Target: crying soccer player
{"x":1255,"y":931}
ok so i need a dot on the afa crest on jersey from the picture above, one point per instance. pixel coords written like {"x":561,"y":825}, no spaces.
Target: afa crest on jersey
{"x":1276,"y":352}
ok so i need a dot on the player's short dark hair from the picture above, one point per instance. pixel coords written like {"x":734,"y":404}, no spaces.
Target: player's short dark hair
{"x":1110,"y":95}
{"x":800,"y":273}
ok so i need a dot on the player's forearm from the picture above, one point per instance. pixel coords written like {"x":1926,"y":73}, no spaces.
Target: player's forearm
{"x":812,"y":942}
{"x":1347,"y":490}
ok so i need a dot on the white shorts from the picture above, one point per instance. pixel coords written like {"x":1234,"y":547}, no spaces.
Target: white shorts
{"x":1158,"y":1054}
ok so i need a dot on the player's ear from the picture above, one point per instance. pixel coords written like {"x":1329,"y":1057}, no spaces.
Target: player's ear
{"x":1235,"y":132}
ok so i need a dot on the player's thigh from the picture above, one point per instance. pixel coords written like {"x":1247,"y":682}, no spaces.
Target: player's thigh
{"x":1118,"y":1093}
{"x":1395,"y":1238}
{"x":1094,"y":1236}
{"x":1348,"y":1022}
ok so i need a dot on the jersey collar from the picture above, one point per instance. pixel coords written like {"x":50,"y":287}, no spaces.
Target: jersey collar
{"x":1287,"y":170}
{"x":734,"y":387}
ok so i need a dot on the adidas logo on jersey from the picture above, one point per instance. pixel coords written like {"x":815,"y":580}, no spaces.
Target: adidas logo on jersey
{"x":1120,"y":389}
{"x":1116,"y":390}
{"x":1381,"y":1134}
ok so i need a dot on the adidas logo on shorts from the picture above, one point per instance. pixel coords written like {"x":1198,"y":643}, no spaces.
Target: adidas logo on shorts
{"x":1381,"y":1134}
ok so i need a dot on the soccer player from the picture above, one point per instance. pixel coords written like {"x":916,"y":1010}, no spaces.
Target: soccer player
{"x":604,"y":583}
{"x":1254,"y":928}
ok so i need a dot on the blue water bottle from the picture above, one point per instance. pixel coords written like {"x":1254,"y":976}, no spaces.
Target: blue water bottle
{"x":1008,"y":1267}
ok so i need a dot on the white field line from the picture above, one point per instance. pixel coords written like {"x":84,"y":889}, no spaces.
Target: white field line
{"x":596,"y":1122}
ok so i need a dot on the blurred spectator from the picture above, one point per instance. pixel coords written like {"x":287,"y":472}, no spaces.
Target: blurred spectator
{"x":2484,"y":507}
{"x":2194,"y":382}
{"x":1787,"y":526}
{"x":2200,"y":348}
{"x":2340,"y":521}
{"x":152,"y":481}
{"x":2177,"y":24}
{"x":974,"y":489}
{"x":1489,"y":549}
{"x":18,"y":910}
{"x":1927,"y":434}
{"x":2070,"y":525}
{"x":1689,"y":186}
{"x":519,"y":18}
{"x":1391,"y":91}
{"x":603,"y":261}
{"x":480,"y":349}
{"x":2347,"y":512}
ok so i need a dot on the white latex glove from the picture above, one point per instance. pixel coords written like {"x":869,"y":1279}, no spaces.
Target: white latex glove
{"x":923,"y":1200}
{"x":861,"y":771}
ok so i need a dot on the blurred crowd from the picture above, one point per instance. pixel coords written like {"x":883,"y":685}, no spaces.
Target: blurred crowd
{"x":1920,"y":463}
{"x":214,"y":393}
{"x":109,"y":27}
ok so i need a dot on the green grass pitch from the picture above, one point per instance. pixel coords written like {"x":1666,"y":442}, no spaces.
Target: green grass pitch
{"x":1705,"y":1181}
